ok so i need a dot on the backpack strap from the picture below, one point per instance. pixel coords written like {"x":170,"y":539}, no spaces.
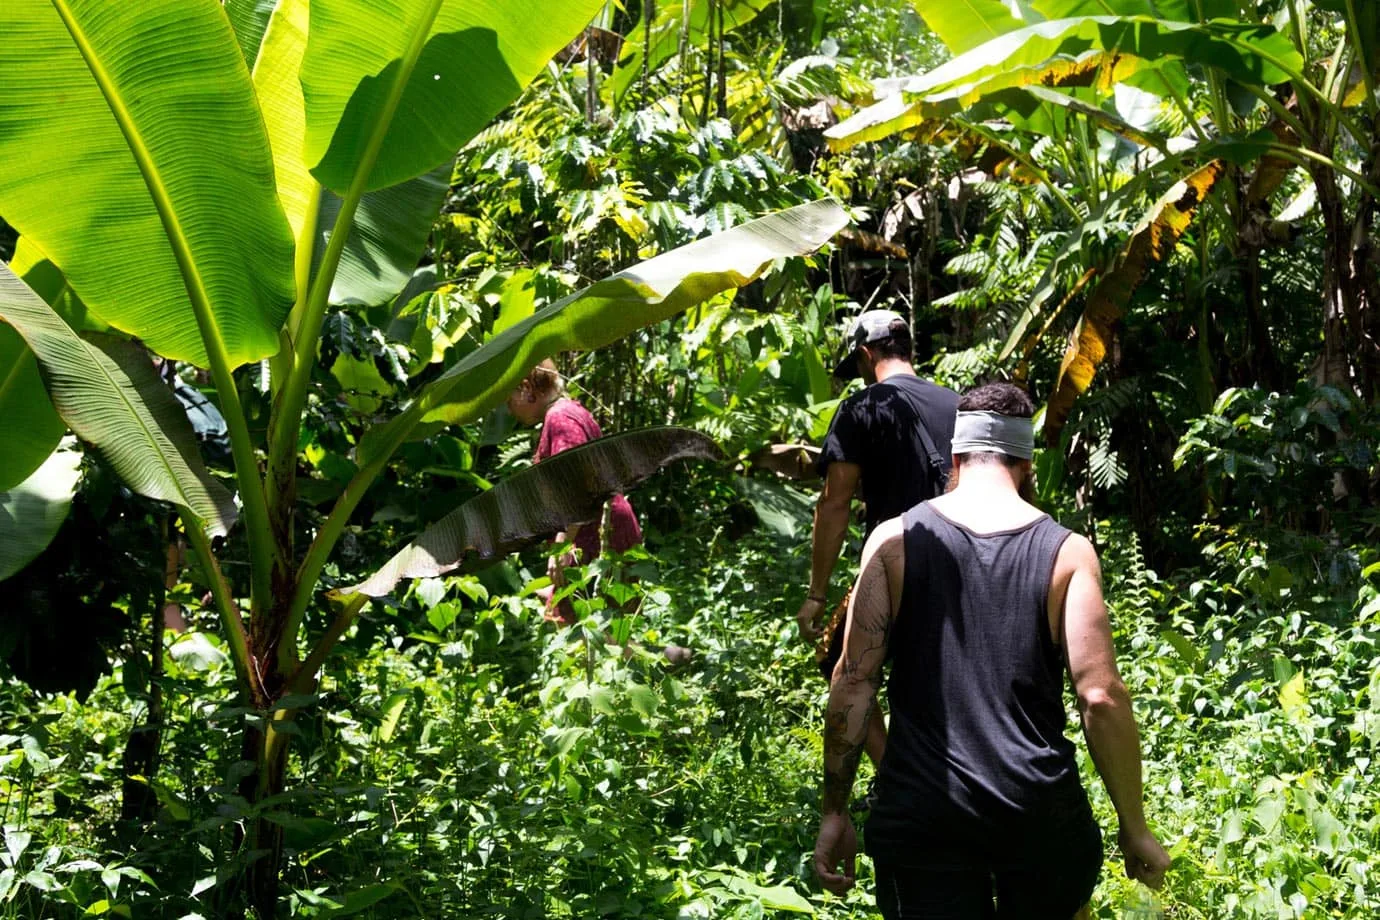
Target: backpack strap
{"x":926,"y":440}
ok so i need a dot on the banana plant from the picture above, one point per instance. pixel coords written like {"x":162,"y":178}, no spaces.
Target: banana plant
{"x":208,"y":179}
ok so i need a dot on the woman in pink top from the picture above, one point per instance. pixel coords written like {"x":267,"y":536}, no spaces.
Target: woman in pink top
{"x":540,"y":400}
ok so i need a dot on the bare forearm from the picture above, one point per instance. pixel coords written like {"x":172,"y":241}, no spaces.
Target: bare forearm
{"x":1114,"y":742}
{"x":831,"y":525}
{"x":845,"y":729}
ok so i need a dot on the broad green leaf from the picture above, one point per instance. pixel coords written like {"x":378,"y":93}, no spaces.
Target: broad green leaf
{"x":643,"y":700}
{"x":1184,"y":10}
{"x":669,"y":24}
{"x":249,"y":19}
{"x":135,"y":158}
{"x":32,"y":426}
{"x":1088,"y":51}
{"x":608,"y":310}
{"x":47,"y":281}
{"x":783,"y":510}
{"x":387,"y":238}
{"x":966,"y":24}
{"x":110,"y":395}
{"x":390,"y":227}
{"x":1293,"y":696}
{"x":392,"y":712}
{"x":431,"y":75}
{"x":566,"y":489}
{"x":1153,"y":240}
{"x":32,"y":511}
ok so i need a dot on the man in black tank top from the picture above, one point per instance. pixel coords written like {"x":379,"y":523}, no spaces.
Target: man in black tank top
{"x":982,"y":602}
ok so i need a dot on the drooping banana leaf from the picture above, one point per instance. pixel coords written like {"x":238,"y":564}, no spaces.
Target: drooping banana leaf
{"x":1091,"y":50}
{"x":394,"y":87}
{"x":564,"y":490}
{"x":136,"y":159}
{"x":108,"y":393}
{"x":32,"y":511}
{"x":1152,"y":241}
{"x":608,"y":310}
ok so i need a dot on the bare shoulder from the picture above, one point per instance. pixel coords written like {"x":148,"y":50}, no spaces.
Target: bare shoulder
{"x":887,"y":541}
{"x":1077,"y":553}
{"x":1076,"y":556}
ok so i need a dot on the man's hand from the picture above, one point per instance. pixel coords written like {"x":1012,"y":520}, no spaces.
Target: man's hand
{"x":1146,"y":860}
{"x":837,"y":844}
{"x":811,"y":619}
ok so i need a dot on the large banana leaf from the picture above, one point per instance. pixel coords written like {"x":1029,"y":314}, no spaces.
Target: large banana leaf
{"x":668,"y":27}
{"x":387,"y":237}
{"x":1089,"y":50}
{"x":32,"y":511}
{"x":1182,"y":10}
{"x":1152,"y":241}
{"x":390,"y":227}
{"x":135,"y":158}
{"x":32,"y":426}
{"x":610,"y":309}
{"x":109,"y":394}
{"x":394,"y":87}
{"x":560,"y":492}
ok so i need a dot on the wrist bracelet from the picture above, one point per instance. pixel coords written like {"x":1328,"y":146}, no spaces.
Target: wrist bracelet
{"x":823,"y":599}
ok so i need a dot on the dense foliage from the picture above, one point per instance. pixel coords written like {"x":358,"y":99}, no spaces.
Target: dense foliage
{"x":1162,"y":220}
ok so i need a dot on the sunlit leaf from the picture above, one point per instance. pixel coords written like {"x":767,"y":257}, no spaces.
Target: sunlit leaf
{"x":430,"y":76}
{"x":136,"y":159}
{"x":607,"y":310}
{"x":1097,"y":51}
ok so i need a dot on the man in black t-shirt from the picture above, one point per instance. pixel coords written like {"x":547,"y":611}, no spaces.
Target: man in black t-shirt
{"x":893,"y":437}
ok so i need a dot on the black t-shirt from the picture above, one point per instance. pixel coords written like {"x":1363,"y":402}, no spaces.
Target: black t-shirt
{"x":877,"y":428}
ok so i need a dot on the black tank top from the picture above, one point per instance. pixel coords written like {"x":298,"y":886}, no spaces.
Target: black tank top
{"x":976,"y":745}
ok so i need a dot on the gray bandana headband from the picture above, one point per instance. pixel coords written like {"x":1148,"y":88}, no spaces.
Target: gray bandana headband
{"x":992,"y":432}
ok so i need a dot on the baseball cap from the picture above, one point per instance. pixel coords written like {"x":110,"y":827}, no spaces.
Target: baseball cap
{"x":872,"y":326}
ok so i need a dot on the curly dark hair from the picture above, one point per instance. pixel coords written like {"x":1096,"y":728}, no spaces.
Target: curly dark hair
{"x":1006,"y":398}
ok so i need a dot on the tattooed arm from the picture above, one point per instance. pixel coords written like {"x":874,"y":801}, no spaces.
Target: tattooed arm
{"x":858,"y":675}
{"x":853,"y":696}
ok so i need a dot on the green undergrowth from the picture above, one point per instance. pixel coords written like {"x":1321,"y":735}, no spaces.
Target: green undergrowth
{"x":465,"y":758}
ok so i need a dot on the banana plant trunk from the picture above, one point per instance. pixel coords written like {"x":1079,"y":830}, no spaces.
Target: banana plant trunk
{"x":1351,"y":291}
{"x":265,"y":836}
